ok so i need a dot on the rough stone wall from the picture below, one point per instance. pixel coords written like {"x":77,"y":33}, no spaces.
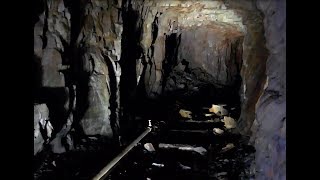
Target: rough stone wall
{"x":210,"y":49}
{"x":52,"y":38}
{"x":205,"y":65}
{"x":254,"y":60}
{"x":269,"y":127}
{"x":77,"y":47}
{"x":42,"y":127}
{"x":99,"y":47}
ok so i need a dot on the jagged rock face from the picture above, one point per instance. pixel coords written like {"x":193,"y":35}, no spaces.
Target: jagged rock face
{"x":51,"y":38}
{"x":253,"y":69}
{"x":99,"y":44}
{"x":269,"y":128}
{"x":78,"y":67}
{"x":42,"y":127}
{"x":216,"y":52}
{"x":205,"y":56}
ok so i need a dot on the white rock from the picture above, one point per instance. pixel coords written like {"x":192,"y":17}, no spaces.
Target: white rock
{"x":217,"y":131}
{"x":200,"y":150}
{"x":149,"y":147}
{"x":218,"y":110}
{"x":157,"y":165}
{"x":229,"y":122}
{"x":49,"y":129}
{"x":184,"y":167}
{"x":185,"y":113}
{"x":227,"y":147}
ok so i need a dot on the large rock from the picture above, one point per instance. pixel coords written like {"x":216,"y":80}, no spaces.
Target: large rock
{"x":52,"y":35}
{"x":52,"y":38}
{"x":99,"y":44}
{"x":42,"y":129}
{"x":269,"y":128}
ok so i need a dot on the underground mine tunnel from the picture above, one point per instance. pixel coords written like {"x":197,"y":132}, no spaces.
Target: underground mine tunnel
{"x":159,"y":89}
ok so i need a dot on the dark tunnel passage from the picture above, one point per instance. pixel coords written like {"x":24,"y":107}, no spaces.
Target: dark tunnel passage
{"x":196,"y":73}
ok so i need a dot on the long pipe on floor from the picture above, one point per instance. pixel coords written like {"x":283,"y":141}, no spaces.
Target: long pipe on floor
{"x":107,"y":169}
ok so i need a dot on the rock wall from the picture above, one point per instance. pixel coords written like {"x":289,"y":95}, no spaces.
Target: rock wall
{"x":99,"y":49}
{"x":269,"y":127}
{"x":52,"y":37}
{"x":77,"y":47}
{"x":42,"y":127}
{"x":51,"y":43}
{"x":210,"y":49}
{"x":204,"y":56}
{"x":85,"y":51}
{"x":254,"y":60}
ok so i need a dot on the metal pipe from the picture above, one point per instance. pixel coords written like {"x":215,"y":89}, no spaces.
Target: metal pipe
{"x":107,"y":169}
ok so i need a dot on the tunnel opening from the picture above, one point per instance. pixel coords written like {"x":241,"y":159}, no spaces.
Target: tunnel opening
{"x":194,"y":78}
{"x":188,"y":83}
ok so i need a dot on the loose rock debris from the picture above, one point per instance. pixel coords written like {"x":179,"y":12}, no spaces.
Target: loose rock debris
{"x":218,"y":131}
{"x":158,"y":165}
{"x":229,"y":122}
{"x":149,"y":147}
{"x":185,"y":113}
{"x":183,"y":166}
{"x":218,"y":110}
{"x":227,"y":147}
{"x":208,"y":115}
